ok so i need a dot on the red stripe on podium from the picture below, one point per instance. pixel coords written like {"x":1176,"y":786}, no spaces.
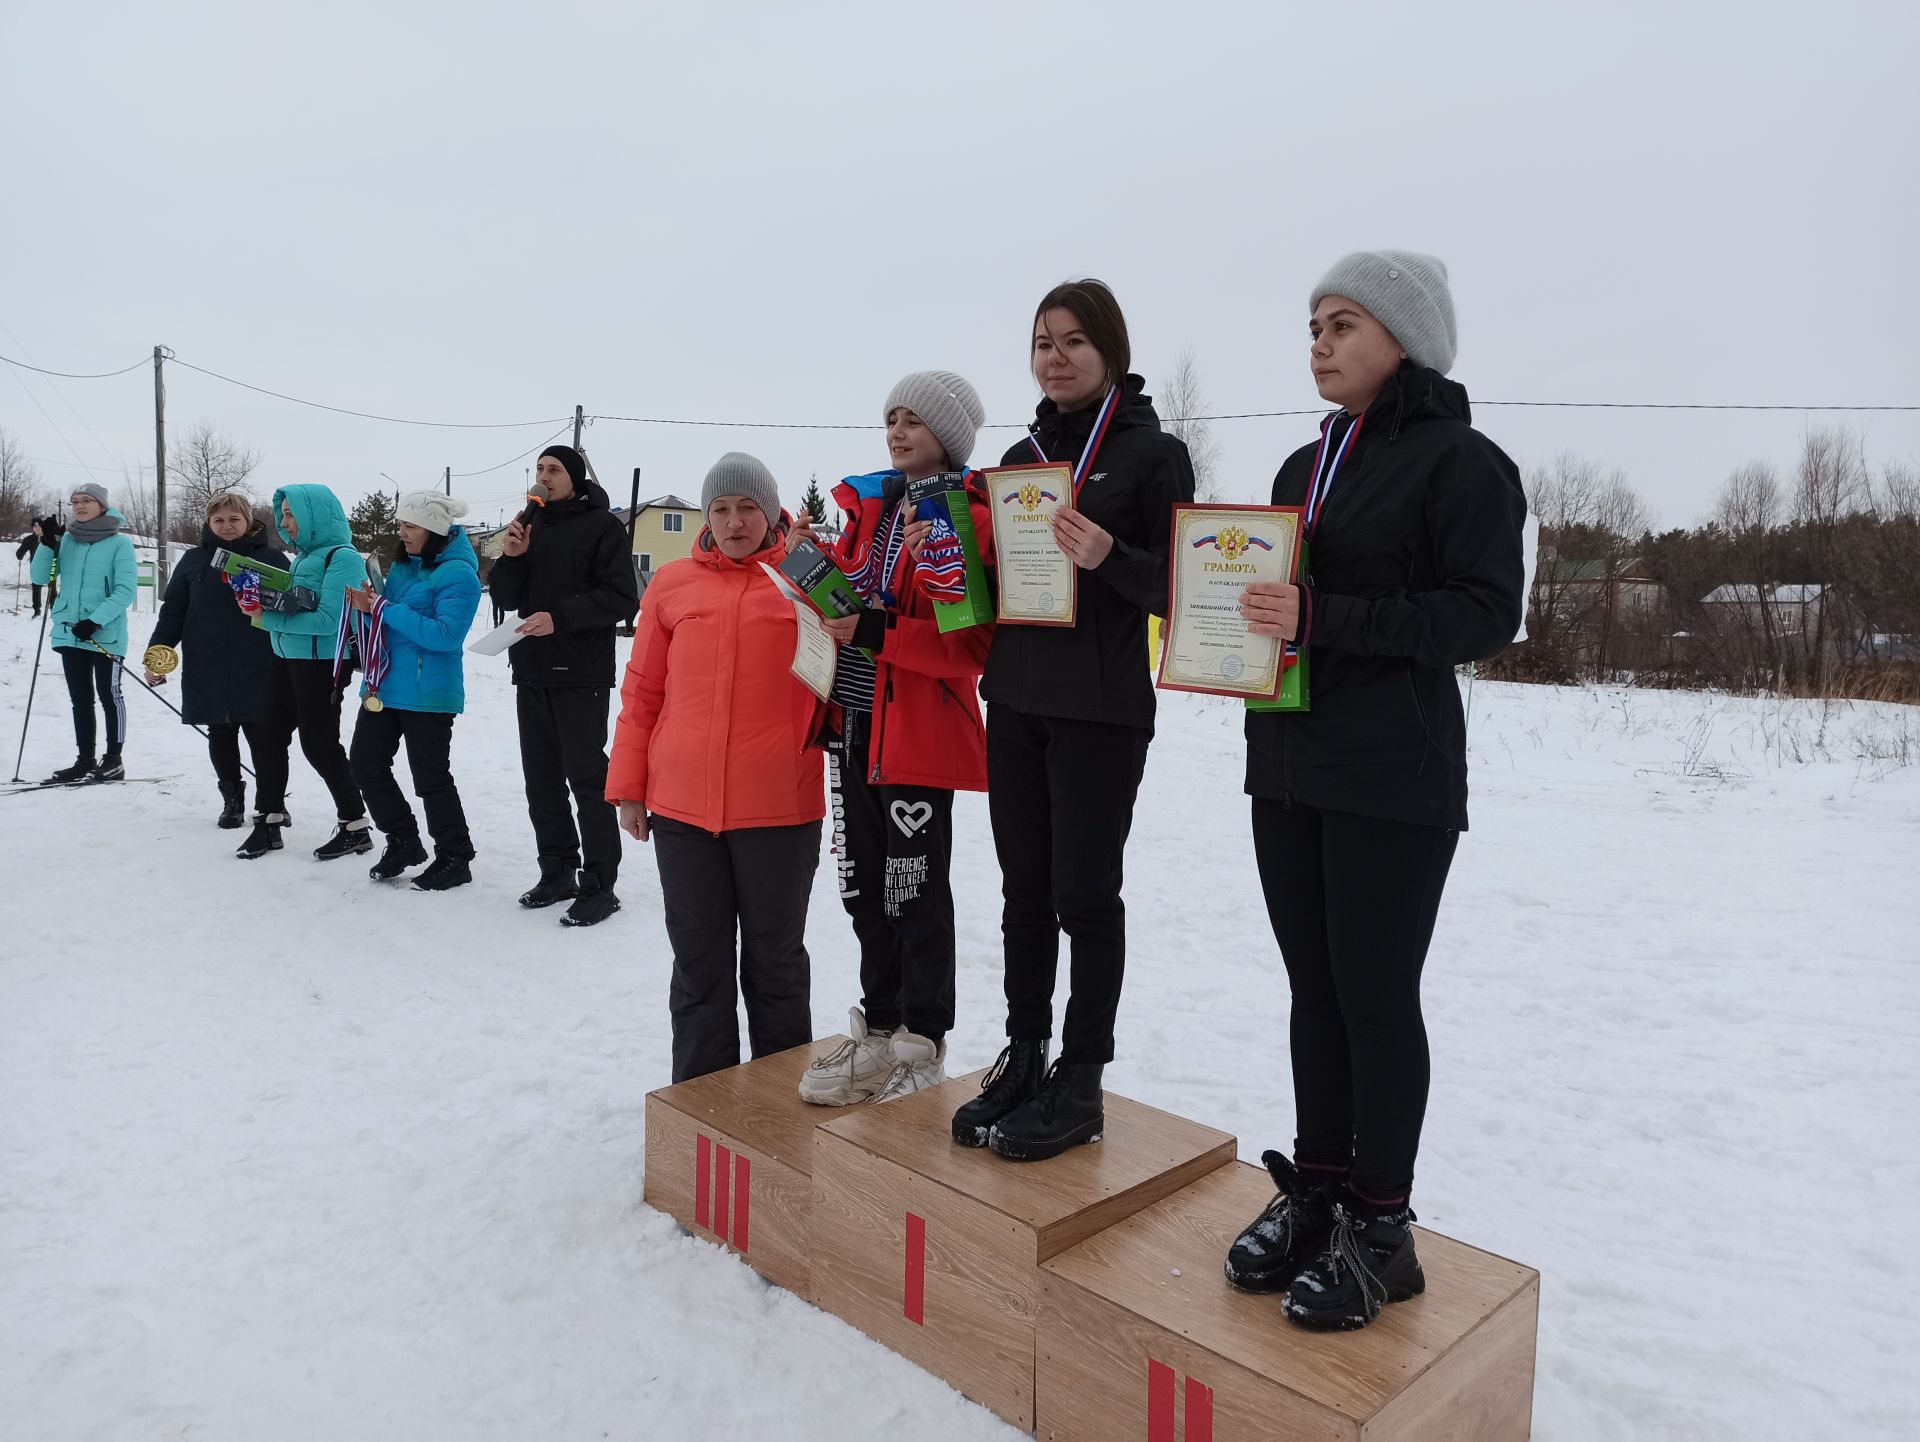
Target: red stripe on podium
{"x":1160,"y":1380}
{"x":1199,"y":1411}
{"x":722,"y":1169}
{"x":742,"y":1190}
{"x":702,"y":1178}
{"x":916,"y":1270}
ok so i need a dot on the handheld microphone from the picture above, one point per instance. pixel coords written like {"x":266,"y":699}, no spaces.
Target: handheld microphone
{"x":536,"y":501}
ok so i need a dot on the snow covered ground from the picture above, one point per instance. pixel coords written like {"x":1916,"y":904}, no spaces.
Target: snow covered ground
{"x":286,"y":1155}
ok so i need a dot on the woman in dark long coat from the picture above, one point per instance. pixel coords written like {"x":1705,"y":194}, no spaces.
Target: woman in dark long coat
{"x":228,"y":661}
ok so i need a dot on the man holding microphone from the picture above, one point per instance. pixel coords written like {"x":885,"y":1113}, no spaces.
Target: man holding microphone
{"x":566,"y":569}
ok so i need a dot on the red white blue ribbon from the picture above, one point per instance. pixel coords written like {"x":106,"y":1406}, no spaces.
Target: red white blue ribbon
{"x":1100,"y":423}
{"x":366,"y":632}
{"x":1326,"y":466}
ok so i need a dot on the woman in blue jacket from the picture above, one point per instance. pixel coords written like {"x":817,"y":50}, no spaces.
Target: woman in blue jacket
{"x":410,"y":641}
{"x":303,"y":697}
{"x":98,"y":580}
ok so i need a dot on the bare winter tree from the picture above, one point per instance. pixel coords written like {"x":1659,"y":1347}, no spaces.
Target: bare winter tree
{"x":201,"y":463}
{"x":1750,"y":510}
{"x":1830,"y":485}
{"x":1180,"y":403}
{"x":21,"y":495}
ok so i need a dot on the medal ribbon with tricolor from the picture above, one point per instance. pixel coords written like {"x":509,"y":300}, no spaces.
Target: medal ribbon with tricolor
{"x":1326,"y":465}
{"x":1101,"y":421}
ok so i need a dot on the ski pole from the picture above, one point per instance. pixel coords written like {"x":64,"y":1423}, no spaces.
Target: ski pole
{"x":121,"y":662}
{"x":27,"y":715}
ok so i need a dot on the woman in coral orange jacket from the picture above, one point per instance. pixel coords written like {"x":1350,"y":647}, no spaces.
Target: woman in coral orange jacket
{"x":714,"y":762}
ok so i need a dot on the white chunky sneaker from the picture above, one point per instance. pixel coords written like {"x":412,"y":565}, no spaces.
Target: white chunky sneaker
{"x":852,"y":1071}
{"x":917,"y":1063}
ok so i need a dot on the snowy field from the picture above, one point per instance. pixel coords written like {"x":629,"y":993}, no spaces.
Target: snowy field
{"x":285,"y":1155}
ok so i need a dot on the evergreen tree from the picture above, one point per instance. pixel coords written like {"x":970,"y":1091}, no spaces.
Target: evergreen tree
{"x":813,"y":503}
{"x":376,"y":527}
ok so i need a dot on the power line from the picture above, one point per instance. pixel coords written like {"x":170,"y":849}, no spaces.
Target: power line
{"x":75,"y":375}
{"x":369,"y":415}
{"x":538,"y":446}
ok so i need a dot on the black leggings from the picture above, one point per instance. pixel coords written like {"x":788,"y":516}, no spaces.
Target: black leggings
{"x":266,"y":745}
{"x":89,"y":671}
{"x":301,"y":698}
{"x":1353,"y":902}
{"x":1060,"y":797}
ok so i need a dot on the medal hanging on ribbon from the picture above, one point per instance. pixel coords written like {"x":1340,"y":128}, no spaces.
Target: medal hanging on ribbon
{"x":1326,"y":465}
{"x":1101,"y":421}
{"x":370,"y":633}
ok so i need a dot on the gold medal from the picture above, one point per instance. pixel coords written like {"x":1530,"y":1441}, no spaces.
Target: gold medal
{"x":374,"y":703}
{"x":161,"y":660}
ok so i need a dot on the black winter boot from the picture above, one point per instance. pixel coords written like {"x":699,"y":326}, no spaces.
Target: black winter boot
{"x":1269,"y":1254}
{"x":1066,"y":1111}
{"x":71,"y":775}
{"x":264,"y":837}
{"x":446,"y":873}
{"x":402,"y":850}
{"x":552,"y":888}
{"x":1015,"y":1077}
{"x":593,"y":905}
{"x":1367,"y":1261}
{"x":109,"y":769}
{"x":233,"y":808}
{"x":350,"y":838}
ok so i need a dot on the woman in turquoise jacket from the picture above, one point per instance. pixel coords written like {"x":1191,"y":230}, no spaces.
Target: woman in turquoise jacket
{"x":302,"y":623}
{"x":410,"y":641}
{"x":98,"y":581}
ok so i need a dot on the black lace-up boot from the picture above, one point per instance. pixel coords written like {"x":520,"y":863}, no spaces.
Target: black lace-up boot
{"x":1068,"y":1109}
{"x":1269,"y":1254}
{"x":1014,"y":1078}
{"x":1366,"y":1262}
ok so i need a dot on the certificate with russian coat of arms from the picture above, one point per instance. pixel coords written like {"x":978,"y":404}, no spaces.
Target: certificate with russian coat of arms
{"x":1038,"y":583}
{"x":1217,"y":552}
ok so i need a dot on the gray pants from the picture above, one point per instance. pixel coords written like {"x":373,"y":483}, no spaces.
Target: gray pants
{"x":752,"y":884}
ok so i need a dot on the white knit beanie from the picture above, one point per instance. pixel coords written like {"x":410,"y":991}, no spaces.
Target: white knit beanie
{"x":1407,"y":293}
{"x":950,"y":407}
{"x":431,"y":511}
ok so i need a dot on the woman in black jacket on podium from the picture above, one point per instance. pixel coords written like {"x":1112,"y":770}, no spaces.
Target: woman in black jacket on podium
{"x":1413,"y":521}
{"x":1069,"y":716}
{"x":228,"y":661}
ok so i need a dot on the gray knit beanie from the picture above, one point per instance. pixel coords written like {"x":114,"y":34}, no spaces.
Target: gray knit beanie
{"x":1407,"y":293}
{"x":950,"y":407}
{"x":739,"y":474}
{"x":94,"y":489}
{"x":431,"y":510}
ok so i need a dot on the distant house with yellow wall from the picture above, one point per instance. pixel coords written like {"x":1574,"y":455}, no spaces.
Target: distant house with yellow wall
{"x":664,"y":530}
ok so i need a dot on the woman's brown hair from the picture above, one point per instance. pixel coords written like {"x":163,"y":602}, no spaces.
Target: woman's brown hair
{"x":1093,"y":305}
{"x":234,"y":501}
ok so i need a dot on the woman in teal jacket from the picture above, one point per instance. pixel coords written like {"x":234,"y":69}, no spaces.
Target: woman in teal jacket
{"x":302,"y":697}
{"x":410,"y":641}
{"x":98,"y":581}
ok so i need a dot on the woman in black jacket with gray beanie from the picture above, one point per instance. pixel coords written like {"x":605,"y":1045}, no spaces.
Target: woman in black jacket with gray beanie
{"x":1414,"y":566}
{"x":1069,"y":716}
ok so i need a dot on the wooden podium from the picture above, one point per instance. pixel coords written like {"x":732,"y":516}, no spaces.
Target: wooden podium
{"x":730,"y":1157}
{"x":1080,"y":1297}
{"x":1141,"y":1337}
{"x":932,"y":1247}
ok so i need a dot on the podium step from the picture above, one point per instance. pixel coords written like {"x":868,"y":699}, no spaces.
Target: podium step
{"x":730,"y":1157}
{"x":1140,"y":1337}
{"x":932,"y":1248}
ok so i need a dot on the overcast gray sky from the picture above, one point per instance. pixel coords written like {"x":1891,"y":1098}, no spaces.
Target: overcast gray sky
{"x":768,"y":212}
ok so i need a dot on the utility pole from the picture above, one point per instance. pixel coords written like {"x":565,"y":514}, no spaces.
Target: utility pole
{"x":449,"y":480}
{"x":579,"y":419}
{"x":160,"y":471}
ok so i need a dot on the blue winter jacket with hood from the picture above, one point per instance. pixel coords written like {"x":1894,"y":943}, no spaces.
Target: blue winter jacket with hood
{"x":429,"y":609}
{"x":98,"y":583}
{"x":325,"y":562}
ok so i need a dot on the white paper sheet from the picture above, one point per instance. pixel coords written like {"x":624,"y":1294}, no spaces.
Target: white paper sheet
{"x":499,"y":638}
